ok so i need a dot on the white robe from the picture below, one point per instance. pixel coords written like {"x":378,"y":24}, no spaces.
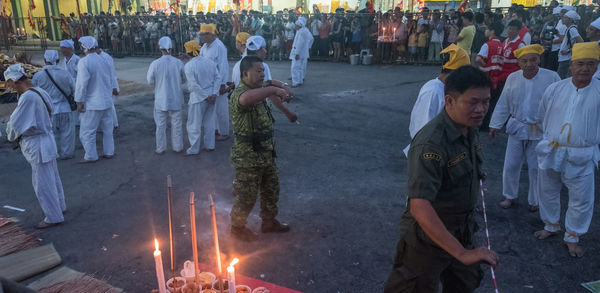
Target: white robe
{"x":217,"y":52}
{"x":167,"y":75}
{"x":568,"y":153}
{"x":301,"y":47}
{"x":94,"y":88}
{"x":519,"y":104}
{"x":115,"y":84}
{"x":71,"y":65}
{"x":236,"y":76}
{"x":31,"y":121}
{"x":430,"y":102}
{"x":63,"y":119}
{"x":203,"y":80}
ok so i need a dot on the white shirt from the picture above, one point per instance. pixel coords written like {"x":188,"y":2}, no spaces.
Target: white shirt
{"x":430,"y":102}
{"x":203,"y":79}
{"x":113,"y":71}
{"x":527,"y":38}
{"x":561,"y":29}
{"x":289,"y":30}
{"x":71,"y":65}
{"x":302,"y":43}
{"x":166,"y":74}
{"x":570,"y":117}
{"x":564,"y":46}
{"x":64,"y":81}
{"x":519,"y":104}
{"x":94,"y":83}
{"x":217,"y":53}
{"x":236,"y":76}
{"x":30,"y":121}
{"x":315,"y":26}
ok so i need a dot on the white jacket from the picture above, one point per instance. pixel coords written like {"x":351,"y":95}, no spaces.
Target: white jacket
{"x":302,"y":43}
{"x":167,"y":75}
{"x":203,"y":79}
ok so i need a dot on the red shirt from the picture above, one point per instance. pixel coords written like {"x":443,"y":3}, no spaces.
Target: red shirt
{"x":510,"y":64}
{"x":493,"y":60}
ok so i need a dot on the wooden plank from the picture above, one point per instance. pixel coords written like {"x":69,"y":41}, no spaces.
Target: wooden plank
{"x":27,"y":263}
{"x":59,"y":275}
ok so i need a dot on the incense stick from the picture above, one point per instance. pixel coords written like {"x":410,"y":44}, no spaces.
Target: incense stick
{"x":194,"y":241}
{"x":216,"y":239}
{"x":171,"y":236}
{"x":487,"y":232}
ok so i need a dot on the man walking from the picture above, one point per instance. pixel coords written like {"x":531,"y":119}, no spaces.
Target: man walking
{"x":30,"y":128}
{"x":59,"y":85}
{"x":167,"y":74}
{"x":518,"y":104}
{"x":93,"y":94}
{"x":300,"y":52}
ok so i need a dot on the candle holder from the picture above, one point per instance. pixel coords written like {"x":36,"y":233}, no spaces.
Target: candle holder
{"x":177,"y":285}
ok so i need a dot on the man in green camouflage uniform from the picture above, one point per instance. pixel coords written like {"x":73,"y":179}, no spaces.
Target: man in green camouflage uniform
{"x":253,"y":150}
{"x":444,"y":168}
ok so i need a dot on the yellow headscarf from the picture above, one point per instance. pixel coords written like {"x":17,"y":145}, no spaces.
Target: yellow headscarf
{"x":210,"y":28}
{"x":192,"y":47}
{"x":535,"y":49}
{"x":587,"y":50}
{"x":458,"y":57}
{"x":242,"y":37}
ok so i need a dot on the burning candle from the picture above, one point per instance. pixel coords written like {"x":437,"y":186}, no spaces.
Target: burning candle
{"x":231,"y":275}
{"x":160,"y":275}
{"x":394,"y":38}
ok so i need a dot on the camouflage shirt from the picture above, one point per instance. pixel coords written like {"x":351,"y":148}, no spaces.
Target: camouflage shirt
{"x":253,"y":145}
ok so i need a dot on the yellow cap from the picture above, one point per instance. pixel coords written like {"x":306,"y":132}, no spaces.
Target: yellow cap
{"x":242,"y":37}
{"x":587,"y":50}
{"x":210,"y":28}
{"x":192,"y":47}
{"x":458,"y":57}
{"x":531,"y":49}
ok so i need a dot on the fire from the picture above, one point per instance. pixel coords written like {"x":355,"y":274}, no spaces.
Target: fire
{"x":234,"y":262}
{"x":156,"y":244}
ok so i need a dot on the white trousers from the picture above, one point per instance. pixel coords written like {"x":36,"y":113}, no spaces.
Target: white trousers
{"x":298,"y":71}
{"x":199,"y":115}
{"x":222,"y":114}
{"x":518,"y":151}
{"x":90,"y":120}
{"x":63,"y":126}
{"x":49,"y":190}
{"x":581,"y":202}
{"x":114,"y":117}
{"x":160,"y":118}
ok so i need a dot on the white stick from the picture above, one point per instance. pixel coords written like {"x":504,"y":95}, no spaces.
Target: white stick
{"x":14,"y":208}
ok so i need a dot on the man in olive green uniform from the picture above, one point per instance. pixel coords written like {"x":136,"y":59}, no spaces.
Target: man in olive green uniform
{"x":253,"y":150}
{"x":444,"y":166}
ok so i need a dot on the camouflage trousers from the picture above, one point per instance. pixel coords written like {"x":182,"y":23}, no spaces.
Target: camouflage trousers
{"x":249,"y":182}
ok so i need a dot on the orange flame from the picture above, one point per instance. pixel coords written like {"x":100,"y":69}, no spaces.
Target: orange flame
{"x":156,"y":244}
{"x":234,"y":262}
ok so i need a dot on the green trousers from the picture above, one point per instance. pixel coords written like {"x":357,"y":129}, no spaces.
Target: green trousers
{"x":249,"y":182}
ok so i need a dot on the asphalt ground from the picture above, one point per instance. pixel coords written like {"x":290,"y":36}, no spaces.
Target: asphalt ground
{"x":343,"y":190}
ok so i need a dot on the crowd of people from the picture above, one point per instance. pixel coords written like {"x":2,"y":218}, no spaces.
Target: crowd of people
{"x":487,"y":82}
{"x":392,"y":36}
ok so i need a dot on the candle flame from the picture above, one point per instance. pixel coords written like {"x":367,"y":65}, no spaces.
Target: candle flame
{"x":234,"y":262}
{"x":156,"y":244}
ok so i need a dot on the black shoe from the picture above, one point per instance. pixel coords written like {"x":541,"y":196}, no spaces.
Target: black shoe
{"x":243,"y":233}
{"x":273,"y":226}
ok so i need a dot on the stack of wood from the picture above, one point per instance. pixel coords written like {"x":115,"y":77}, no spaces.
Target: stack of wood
{"x":21,"y":259}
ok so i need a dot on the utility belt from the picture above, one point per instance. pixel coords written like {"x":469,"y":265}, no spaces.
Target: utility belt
{"x":256,"y":140}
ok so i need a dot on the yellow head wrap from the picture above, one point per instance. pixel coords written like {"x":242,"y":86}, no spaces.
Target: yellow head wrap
{"x":242,"y":37}
{"x":210,"y":28}
{"x":535,"y":49}
{"x":587,"y":50}
{"x":458,"y":57}
{"x":192,"y":47}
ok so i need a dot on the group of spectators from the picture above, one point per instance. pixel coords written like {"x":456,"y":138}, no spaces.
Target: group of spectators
{"x":392,"y":36}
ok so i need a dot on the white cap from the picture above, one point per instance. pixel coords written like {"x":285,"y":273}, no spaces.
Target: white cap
{"x":67,"y":44}
{"x":568,"y":7}
{"x":51,"y":56}
{"x":255,"y":43}
{"x":87,"y":42}
{"x":556,"y":10}
{"x":14,"y":72}
{"x":301,"y":21}
{"x":596,"y":23}
{"x":165,"y":43}
{"x":572,"y":15}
